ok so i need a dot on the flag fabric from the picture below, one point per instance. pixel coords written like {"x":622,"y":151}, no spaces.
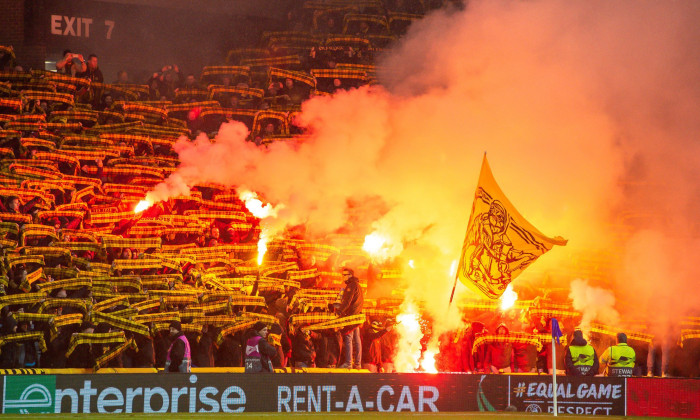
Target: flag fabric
{"x":499,"y":243}
{"x":556,"y":331}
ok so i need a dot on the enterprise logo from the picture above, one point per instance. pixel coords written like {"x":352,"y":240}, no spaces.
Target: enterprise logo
{"x":28,"y":394}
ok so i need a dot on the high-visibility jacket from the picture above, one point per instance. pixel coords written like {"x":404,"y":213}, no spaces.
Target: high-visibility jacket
{"x":583,"y":357}
{"x":619,"y":360}
{"x":186,"y":363}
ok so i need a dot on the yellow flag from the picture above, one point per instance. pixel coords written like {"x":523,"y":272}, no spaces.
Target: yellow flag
{"x":499,"y":243}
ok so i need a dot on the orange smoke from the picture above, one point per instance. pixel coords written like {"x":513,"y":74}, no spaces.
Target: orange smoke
{"x":589,"y":119}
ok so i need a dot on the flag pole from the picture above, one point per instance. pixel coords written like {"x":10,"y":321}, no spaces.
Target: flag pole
{"x":454,"y":286}
{"x":556,"y":333}
{"x":554,"y":374}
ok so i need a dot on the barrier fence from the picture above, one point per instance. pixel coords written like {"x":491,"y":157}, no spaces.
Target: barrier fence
{"x":344,"y":392}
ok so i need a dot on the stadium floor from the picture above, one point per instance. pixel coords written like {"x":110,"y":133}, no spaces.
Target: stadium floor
{"x":353,"y":416}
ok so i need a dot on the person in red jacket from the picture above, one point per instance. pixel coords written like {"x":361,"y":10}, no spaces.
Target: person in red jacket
{"x":499,"y":356}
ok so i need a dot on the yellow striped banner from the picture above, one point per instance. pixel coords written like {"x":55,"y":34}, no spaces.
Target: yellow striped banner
{"x":52,"y":303}
{"x":24,"y":336}
{"x":233,"y":329}
{"x":136,"y":264}
{"x":109,"y":303}
{"x":157,"y":317}
{"x":13,"y":260}
{"x":146,"y":305}
{"x":122,"y":323}
{"x":515,"y":337}
{"x":114,"y":353}
{"x":94,"y":338}
{"x":346,"y":321}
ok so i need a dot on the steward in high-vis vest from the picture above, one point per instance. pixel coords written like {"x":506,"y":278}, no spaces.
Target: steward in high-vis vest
{"x":258,"y":352}
{"x":619,"y":359}
{"x":179,"y":358}
{"x":580,"y":357}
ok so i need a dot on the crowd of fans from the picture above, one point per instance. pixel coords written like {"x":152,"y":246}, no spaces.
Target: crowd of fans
{"x":88,"y":283}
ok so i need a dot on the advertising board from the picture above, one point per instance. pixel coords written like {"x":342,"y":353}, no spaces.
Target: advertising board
{"x":663,"y":397}
{"x":575,"y":395}
{"x":235,"y":393}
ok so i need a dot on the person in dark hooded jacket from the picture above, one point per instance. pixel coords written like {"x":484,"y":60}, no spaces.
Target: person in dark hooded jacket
{"x":204,"y":352}
{"x":83,"y":356}
{"x":580,"y":358}
{"x":144,"y":356}
{"x":303,"y":349}
{"x":8,"y":357}
{"x":328,"y":344}
{"x":470,"y":361}
{"x":280,"y":342}
{"x":351,"y":304}
{"x":371,"y":346}
{"x":229,"y":353}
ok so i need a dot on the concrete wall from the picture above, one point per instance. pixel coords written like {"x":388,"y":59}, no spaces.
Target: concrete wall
{"x":136,"y":35}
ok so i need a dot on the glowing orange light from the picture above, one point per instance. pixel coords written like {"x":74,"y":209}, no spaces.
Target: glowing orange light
{"x":262,"y":246}
{"x":428,"y":362}
{"x":142,"y":205}
{"x":256,"y":207}
{"x":374,"y":243}
{"x":409,"y":346}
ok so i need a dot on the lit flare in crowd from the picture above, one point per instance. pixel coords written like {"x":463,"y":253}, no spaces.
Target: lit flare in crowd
{"x":412,"y":264}
{"x":409,"y":347}
{"x":508,"y":298}
{"x":428,"y":361}
{"x":142,"y":205}
{"x":262,"y":246}
{"x":375,"y":245}
{"x":256,"y":207}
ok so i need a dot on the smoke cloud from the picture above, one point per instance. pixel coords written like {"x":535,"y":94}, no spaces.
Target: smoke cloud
{"x":588,"y":112}
{"x":594,"y":303}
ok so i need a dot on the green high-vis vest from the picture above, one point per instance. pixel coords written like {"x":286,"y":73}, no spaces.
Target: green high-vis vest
{"x":621,"y":361}
{"x":582,"y":355}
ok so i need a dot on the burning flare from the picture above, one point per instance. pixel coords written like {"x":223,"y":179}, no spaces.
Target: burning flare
{"x":256,"y":207}
{"x":375,"y":244}
{"x":409,"y":346}
{"x":142,"y":205}
{"x":408,"y":354}
{"x":508,"y":298}
{"x":428,"y":361}
{"x":262,"y":246}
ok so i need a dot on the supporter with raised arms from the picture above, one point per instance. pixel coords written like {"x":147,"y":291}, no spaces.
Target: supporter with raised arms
{"x":67,"y":63}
